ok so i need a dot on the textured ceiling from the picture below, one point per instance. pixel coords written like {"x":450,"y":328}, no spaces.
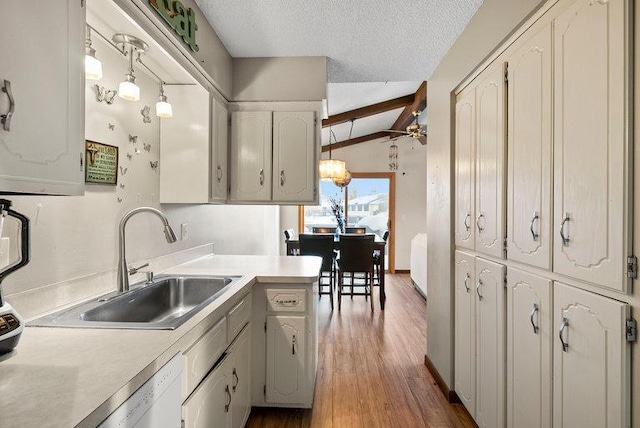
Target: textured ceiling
{"x":365,"y":40}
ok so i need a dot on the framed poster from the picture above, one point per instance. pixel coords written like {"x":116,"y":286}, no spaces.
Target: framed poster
{"x":101,"y":162}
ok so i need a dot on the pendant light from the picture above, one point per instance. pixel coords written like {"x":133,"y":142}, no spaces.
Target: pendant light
{"x":131,"y":45}
{"x":92,"y":65}
{"x":163,"y":108}
{"x":344,"y":180}
{"x":331,"y":168}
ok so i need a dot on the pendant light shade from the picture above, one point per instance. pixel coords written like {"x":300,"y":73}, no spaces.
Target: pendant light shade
{"x":131,"y":45}
{"x":92,"y":65}
{"x":332,"y":168}
{"x":128,"y":89}
{"x":163,"y":108}
{"x":344,"y":180}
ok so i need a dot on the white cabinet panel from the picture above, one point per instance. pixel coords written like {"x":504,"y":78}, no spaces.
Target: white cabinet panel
{"x":209,"y":404}
{"x":240,"y":374}
{"x":464,"y":169}
{"x":286,"y":359}
{"x":490,"y":344}
{"x":529,"y":340}
{"x":294,"y":163}
{"x":591,"y":374}
{"x":219,"y":150}
{"x":590,"y":142}
{"x":529,"y":221}
{"x":44,"y":149}
{"x":251,"y":156}
{"x":465,"y":343}
{"x":490,"y":162}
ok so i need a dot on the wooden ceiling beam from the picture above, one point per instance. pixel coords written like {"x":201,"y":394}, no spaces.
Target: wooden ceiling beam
{"x":357,"y":140}
{"x":419,"y":103}
{"x":371,"y":110}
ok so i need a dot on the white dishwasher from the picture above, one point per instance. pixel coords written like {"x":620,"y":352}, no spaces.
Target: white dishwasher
{"x":156,"y":404}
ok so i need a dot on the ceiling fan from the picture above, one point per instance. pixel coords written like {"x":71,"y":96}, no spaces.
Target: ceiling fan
{"x":415,"y":130}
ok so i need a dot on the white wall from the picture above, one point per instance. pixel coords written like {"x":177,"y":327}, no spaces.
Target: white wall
{"x":373,"y":156}
{"x":74,"y":237}
{"x":492,"y":23}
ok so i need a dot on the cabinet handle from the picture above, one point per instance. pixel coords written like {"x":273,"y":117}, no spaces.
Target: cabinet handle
{"x":466,"y":278}
{"x":466,"y":223}
{"x":535,"y":235}
{"x":226,"y":406}
{"x":565,"y":238}
{"x":261,"y":176}
{"x":478,"y":225}
{"x":282,"y":177}
{"x":293,"y":345}
{"x":478,"y":289}
{"x":6,"y":118}
{"x":563,"y":327}
{"x":534,"y":312}
{"x":237,"y":379}
{"x":219,"y":174}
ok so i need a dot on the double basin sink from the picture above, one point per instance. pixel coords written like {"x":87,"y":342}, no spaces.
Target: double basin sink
{"x":164,"y":304}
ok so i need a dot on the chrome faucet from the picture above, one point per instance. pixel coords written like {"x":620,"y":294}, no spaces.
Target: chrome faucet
{"x":123,"y":270}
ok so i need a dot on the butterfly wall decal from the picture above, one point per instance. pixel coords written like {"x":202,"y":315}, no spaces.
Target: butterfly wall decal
{"x":123,"y":171}
{"x":147,"y":147}
{"x":154,"y":164}
{"x":133,"y":139}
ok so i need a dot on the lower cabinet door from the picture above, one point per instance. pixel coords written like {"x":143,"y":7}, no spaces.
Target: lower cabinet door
{"x":490,"y":344}
{"x":591,"y":379}
{"x":286,"y":359}
{"x":465,"y":333}
{"x":529,"y":358}
{"x":210,"y":404}
{"x":240,"y":353}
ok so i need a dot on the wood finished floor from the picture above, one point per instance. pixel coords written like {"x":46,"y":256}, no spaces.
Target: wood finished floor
{"x":371,"y":369}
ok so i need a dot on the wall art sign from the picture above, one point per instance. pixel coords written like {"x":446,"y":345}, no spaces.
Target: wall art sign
{"x":180,"y":18}
{"x":102,"y":163}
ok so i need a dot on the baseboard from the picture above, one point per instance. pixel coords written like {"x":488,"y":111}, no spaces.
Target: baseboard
{"x":450,"y":395}
{"x":402,"y":271}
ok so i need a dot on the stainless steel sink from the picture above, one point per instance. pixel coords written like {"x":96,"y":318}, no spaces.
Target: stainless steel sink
{"x":164,"y":304}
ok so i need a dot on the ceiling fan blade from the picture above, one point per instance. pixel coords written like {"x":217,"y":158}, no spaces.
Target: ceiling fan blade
{"x":395,"y":131}
{"x":423,"y":140}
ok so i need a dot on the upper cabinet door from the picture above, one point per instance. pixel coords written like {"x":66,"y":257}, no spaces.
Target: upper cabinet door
{"x":220,"y":144}
{"x":294,"y":166}
{"x":529,"y":221}
{"x":591,"y":360}
{"x":464,"y":169}
{"x":490,"y":162}
{"x":590,"y":142}
{"x":43,"y":149}
{"x":465,"y":333}
{"x":251,"y":155}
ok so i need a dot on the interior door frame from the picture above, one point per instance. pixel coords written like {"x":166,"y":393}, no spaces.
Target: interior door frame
{"x":391,"y":241}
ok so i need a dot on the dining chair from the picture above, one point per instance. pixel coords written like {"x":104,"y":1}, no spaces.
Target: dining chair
{"x":356,"y":257}
{"x":324,"y":230}
{"x":377,"y":260}
{"x":322,"y":246}
{"x":359,"y":230}
{"x":289,"y":234}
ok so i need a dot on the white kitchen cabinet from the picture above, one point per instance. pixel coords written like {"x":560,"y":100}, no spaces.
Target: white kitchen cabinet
{"x":286,"y":358}
{"x":465,"y":333}
{"x":273,"y":156}
{"x":465,"y":169}
{"x":529,"y":219}
{"x":591,"y":153}
{"x":220,"y":118}
{"x":240,"y":352}
{"x":42,"y":151}
{"x":480,"y":164}
{"x":251,"y":155}
{"x":529,"y":344}
{"x":490,"y":344}
{"x":591,"y":380}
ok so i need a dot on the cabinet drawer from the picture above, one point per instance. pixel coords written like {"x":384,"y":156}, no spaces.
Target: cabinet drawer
{"x":202,"y":356}
{"x":286,"y":300}
{"x":238,"y":317}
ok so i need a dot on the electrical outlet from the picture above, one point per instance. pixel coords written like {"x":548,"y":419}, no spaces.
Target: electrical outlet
{"x":184,"y":231}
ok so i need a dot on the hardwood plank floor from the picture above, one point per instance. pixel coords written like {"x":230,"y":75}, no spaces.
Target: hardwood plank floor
{"x":371,"y":369}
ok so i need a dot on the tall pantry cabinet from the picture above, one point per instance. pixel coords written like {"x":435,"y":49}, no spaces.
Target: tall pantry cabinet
{"x":566,"y":325}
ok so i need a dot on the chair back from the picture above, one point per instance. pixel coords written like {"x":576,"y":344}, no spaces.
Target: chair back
{"x":318,"y":245}
{"x":359,"y":230}
{"x":324,"y":230}
{"x":289,"y":234}
{"x":385,"y":236}
{"x":356,"y":253}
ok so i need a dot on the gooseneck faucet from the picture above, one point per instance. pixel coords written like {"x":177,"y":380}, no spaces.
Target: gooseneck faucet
{"x":123,"y":270}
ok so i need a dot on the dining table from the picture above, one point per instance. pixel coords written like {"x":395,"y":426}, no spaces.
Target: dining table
{"x":379,"y":244}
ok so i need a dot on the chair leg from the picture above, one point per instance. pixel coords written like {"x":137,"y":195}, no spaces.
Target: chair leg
{"x":331,"y":289}
{"x":352,"y":277}
{"x":340,"y":282}
{"x":371,"y":292}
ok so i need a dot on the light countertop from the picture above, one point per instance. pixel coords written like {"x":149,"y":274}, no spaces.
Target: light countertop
{"x":64,"y":377}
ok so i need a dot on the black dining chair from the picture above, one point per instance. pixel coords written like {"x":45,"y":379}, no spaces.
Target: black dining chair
{"x":355,"y":266}
{"x":377,"y":260}
{"x":359,"y":230}
{"x":324,"y":230}
{"x":322,"y":246}
{"x":289,"y":234}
